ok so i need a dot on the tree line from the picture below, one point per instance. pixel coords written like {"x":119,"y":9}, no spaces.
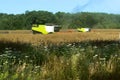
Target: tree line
{"x":65,"y":20}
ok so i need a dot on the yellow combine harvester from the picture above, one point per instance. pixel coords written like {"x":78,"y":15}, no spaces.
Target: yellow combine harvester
{"x":83,"y":29}
{"x":45,"y":29}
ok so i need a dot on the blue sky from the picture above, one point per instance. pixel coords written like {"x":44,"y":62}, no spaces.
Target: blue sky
{"x":20,"y":6}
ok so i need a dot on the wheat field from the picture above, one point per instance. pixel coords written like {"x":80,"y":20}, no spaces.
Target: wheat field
{"x":58,"y":37}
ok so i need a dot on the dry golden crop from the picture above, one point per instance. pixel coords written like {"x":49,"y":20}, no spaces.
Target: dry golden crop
{"x":27,"y":36}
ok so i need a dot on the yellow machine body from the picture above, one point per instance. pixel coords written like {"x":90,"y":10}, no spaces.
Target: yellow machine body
{"x":39,"y":29}
{"x":83,"y":29}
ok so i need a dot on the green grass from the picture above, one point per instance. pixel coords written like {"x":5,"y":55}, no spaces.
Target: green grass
{"x":95,"y":60}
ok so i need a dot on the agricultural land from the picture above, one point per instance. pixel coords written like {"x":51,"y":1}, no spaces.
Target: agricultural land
{"x":64,"y":55}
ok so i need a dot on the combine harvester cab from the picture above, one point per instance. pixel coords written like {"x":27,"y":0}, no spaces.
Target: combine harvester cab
{"x":45,"y":29}
{"x":83,"y":29}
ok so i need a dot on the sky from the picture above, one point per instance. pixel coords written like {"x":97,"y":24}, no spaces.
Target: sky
{"x":71,"y":6}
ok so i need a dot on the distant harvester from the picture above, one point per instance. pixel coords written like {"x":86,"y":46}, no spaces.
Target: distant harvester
{"x":83,"y":29}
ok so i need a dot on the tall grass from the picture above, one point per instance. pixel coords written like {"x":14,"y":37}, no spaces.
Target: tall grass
{"x":96,"y":60}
